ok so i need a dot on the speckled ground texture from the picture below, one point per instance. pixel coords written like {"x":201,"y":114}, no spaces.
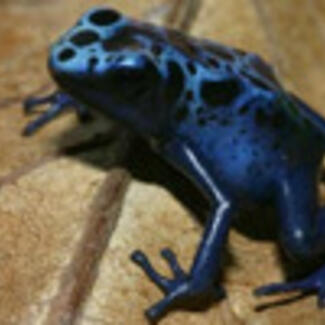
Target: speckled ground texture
{"x":71,"y":212}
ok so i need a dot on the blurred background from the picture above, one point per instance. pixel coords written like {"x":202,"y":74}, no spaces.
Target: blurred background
{"x":69,"y":218}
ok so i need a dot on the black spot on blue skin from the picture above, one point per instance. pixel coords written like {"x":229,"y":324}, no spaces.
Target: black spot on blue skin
{"x":66,"y":54}
{"x":145,"y":32}
{"x":191,"y":67}
{"x":244,"y":109}
{"x":84,"y":38}
{"x":175,"y":82}
{"x":200,"y":110}
{"x":124,"y":39}
{"x":181,"y":114}
{"x":92,"y":62}
{"x":214,"y":62}
{"x":242,"y":131}
{"x":104,"y":17}
{"x":201,"y":121}
{"x":220,"y":93}
{"x":260,"y":117}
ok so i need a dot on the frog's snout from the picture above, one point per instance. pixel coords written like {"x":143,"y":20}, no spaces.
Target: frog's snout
{"x":79,"y":51}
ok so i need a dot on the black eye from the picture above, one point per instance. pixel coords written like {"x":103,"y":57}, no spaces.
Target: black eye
{"x":129,"y":84}
{"x":104,"y":17}
{"x":84,"y":38}
{"x":66,"y":54}
{"x":134,"y":83}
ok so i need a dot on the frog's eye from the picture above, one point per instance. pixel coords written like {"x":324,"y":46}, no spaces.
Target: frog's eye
{"x":129,"y":76}
{"x":104,"y":17}
{"x":134,"y":82}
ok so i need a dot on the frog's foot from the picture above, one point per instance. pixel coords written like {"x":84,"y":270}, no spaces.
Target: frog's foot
{"x":59,"y":102}
{"x":313,"y":283}
{"x":183,"y":292}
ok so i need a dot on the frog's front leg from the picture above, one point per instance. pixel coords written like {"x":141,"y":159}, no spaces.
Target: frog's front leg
{"x":59,"y":102}
{"x":302,"y":229}
{"x":198,"y":288}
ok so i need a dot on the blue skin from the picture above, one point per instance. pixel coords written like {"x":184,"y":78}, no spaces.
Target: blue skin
{"x":220,"y":117}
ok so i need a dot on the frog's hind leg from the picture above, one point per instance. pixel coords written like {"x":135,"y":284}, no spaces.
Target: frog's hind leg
{"x":302,"y":229}
{"x":59,"y":102}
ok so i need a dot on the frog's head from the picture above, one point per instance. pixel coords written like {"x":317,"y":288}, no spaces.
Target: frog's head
{"x":108,"y":62}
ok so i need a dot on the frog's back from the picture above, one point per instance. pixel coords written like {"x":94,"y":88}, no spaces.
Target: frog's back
{"x":234,"y":111}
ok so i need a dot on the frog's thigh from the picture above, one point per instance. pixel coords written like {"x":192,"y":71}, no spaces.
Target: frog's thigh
{"x":302,"y":225}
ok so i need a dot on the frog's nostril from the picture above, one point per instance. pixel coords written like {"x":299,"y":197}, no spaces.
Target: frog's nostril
{"x":104,"y":17}
{"x":66,"y":54}
{"x":84,"y":38}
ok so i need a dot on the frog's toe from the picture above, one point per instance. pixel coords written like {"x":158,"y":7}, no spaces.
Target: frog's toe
{"x":32,"y":102}
{"x":59,"y":102}
{"x":183,"y":291}
{"x":171,"y":259}
{"x":141,"y":260}
{"x":275,"y":288}
{"x":313,"y":283}
{"x":43,"y":119}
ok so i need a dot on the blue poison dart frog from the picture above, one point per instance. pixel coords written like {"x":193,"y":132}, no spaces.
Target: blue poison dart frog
{"x":220,"y":117}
